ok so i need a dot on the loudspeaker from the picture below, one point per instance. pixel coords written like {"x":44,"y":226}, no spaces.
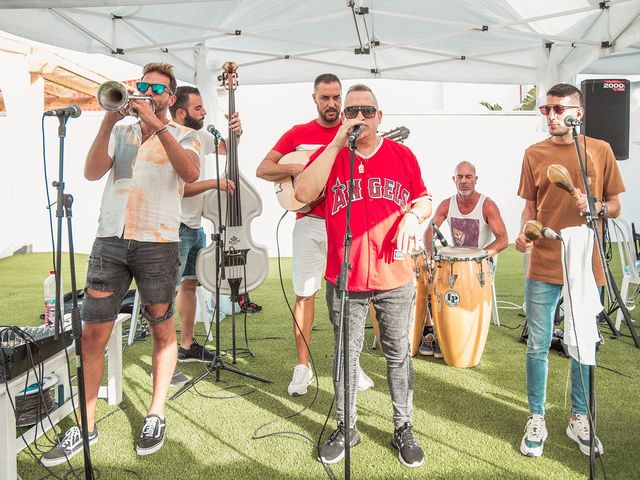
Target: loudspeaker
{"x":607,"y":113}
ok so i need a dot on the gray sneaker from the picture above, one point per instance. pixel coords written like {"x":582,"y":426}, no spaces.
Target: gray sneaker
{"x":333,"y":449}
{"x":409,"y":452}
{"x":67,"y":448}
{"x":179,"y":378}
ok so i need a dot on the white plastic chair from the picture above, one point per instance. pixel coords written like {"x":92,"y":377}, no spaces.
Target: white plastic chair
{"x":630,"y":275}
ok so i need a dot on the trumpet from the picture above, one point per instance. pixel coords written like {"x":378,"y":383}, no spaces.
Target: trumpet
{"x":114,"y":97}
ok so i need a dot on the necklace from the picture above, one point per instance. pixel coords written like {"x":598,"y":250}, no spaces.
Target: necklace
{"x":366,"y":157}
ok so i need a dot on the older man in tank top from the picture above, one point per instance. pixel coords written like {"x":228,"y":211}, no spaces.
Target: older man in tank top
{"x":475,"y":221}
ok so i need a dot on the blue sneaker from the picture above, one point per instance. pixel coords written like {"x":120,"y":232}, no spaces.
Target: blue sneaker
{"x":429,"y":346}
{"x":535,"y":433}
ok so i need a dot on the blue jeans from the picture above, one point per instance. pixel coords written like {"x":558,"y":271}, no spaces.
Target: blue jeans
{"x":542,"y":299}
{"x":393,"y":310}
{"x":192,"y":240}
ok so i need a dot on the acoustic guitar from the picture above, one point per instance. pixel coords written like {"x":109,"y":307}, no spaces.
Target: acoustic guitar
{"x":285,"y":187}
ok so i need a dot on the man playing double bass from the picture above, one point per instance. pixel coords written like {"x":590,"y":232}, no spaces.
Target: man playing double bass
{"x":309,"y":235}
{"x":188,"y":110}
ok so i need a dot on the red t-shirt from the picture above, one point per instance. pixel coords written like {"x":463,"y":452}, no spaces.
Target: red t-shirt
{"x":389,"y":183}
{"x":308,"y":136}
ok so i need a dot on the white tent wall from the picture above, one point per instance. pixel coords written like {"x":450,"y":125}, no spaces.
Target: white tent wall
{"x":494,"y":141}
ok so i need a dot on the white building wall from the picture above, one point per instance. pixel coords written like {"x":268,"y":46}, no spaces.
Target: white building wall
{"x":494,"y":141}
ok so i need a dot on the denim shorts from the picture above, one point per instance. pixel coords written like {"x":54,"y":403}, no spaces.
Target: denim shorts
{"x":192,"y":240}
{"x":114,"y":262}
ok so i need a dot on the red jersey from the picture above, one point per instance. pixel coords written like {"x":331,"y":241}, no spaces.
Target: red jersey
{"x":385,"y":186}
{"x":308,"y":136}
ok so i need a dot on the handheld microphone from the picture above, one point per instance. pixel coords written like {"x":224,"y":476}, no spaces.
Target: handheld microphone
{"x":357,"y":130}
{"x":550,"y":234}
{"x":72,"y":111}
{"x":436,"y":230}
{"x":572,"y":121}
{"x":214,"y":131}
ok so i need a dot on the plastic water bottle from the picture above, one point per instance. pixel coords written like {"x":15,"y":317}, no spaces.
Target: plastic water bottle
{"x":50,"y":299}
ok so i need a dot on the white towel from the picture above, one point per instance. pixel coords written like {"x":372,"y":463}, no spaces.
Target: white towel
{"x":581,"y":309}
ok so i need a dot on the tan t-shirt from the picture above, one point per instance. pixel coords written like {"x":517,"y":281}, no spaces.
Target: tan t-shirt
{"x":555,"y":207}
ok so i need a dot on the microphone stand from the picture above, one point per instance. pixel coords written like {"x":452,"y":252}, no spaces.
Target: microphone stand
{"x":64,"y":202}
{"x":592,"y":221}
{"x":217,"y":363}
{"x":341,"y":358}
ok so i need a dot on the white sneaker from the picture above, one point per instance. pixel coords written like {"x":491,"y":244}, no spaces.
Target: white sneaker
{"x":535,"y":433}
{"x":579,"y":431}
{"x":364,"y":382}
{"x":302,"y":378}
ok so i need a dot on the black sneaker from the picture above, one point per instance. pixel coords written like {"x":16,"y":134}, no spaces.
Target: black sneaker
{"x":409,"y":452}
{"x":67,"y":448}
{"x":333,"y":450}
{"x":195,"y":353}
{"x":152,"y":436}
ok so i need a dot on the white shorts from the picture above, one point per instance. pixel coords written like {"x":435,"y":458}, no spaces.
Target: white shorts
{"x":309,"y":255}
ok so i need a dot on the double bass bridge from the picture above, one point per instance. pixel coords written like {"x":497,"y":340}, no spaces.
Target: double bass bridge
{"x":234,"y":264}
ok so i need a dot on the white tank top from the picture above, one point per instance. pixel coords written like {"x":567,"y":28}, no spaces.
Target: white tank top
{"x":469,"y":230}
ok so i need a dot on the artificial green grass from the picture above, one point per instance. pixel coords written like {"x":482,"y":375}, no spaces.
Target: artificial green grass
{"x":469,"y":421}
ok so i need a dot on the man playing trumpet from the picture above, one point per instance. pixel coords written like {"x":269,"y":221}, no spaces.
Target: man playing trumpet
{"x":555,"y":208}
{"x":148,"y":164}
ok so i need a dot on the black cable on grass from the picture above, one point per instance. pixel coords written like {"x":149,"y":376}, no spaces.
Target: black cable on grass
{"x":259,"y":436}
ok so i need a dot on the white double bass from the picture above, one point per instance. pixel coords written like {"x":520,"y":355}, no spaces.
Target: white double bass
{"x":246,"y":264}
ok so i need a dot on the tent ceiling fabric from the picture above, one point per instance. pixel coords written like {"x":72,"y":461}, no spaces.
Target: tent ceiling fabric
{"x":281,"y":41}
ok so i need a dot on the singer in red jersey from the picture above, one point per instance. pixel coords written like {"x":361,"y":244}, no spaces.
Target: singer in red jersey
{"x":389,"y":201}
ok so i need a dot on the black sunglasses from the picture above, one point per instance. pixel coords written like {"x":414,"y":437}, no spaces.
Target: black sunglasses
{"x":557,"y":109}
{"x":367,"y":111}
{"x":157,"y":88}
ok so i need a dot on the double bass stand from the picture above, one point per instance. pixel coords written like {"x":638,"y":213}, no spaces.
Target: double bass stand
{"x":222,"y":261}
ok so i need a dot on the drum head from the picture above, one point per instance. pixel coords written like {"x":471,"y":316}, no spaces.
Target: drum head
{"x":461,"y":254}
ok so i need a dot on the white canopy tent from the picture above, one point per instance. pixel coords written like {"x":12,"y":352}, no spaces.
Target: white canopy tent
{"x":282,"y":41}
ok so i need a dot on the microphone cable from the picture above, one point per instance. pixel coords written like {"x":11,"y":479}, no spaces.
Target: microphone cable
{"x":257,"y":435}
{"x":592,"y":429}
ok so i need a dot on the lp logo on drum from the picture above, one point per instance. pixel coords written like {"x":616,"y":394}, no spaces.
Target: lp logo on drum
{"x":452,"y":298}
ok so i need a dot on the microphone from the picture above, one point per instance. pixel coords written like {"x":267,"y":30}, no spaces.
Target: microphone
{"x":443,"y":241}
{"x":572,"y":121}
{"x":72,"y":111}
{"x":550,"y":234}
{"x":214,"y":131}
{"x":357,"y":130}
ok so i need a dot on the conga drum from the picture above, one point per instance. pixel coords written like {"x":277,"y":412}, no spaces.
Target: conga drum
{"x":419,"y":309}
{"x":461,"y":304}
